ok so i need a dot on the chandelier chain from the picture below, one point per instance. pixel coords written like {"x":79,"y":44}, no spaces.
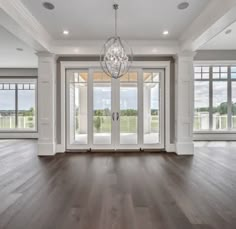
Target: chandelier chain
{"x":115,"y":7}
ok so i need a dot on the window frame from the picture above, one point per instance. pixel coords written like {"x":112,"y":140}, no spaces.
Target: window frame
{"x":18,"y":80}
{"x":229,"y":81}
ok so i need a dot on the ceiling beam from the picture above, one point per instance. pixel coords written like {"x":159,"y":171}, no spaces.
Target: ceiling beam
{"x":18,"y":20}
{"x":216,"y":17}
{"x":93,"y":47}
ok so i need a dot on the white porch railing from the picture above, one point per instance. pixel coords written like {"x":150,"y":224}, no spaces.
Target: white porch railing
{"x":24,"y":122}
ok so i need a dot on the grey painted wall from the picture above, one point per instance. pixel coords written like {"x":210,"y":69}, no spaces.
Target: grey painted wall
{"x":136,"y":58}
{"x":18,"y":72}
{"x":204,"y":55}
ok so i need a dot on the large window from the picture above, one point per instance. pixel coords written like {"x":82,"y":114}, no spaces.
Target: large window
{"x":215,"y":98}
{"x":18,"y":105}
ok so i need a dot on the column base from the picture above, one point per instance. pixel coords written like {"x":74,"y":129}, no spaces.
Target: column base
{"x":46,"y":149}
{"x":185,"y":148}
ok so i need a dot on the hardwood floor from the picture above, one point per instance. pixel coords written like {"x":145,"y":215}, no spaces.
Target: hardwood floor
{"x":117,"y":191}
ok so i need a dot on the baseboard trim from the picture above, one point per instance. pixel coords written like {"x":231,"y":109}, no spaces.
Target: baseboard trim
{"x":185,"y":148}
{"x":60,"y":148}
{"x":46,"y":149}
{"x":170,"y":148}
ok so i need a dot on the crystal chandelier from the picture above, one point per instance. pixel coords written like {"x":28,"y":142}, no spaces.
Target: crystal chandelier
{"x":116,"y":56}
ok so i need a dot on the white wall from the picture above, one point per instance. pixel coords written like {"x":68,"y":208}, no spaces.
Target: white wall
{"x":18,"y":72}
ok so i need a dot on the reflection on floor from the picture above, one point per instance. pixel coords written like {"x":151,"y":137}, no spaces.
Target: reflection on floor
{"x":125,"y":138}
{"x":120,"y":190}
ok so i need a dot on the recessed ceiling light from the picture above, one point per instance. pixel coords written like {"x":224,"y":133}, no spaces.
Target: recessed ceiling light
{"x":228,"y":31}
{"x":48,"y":5}
{"x":183,"y":5}
{"x":65,"y":32}
{"x":20,"y":49}
{"x":165,"y":32}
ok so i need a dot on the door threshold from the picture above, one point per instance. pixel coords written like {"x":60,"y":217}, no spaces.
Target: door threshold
{"x":116,"y":151}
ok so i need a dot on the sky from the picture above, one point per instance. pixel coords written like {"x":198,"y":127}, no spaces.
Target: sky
{"x":219,"y":93}
{"x":128,"y":98}
{"x":26,"y":99}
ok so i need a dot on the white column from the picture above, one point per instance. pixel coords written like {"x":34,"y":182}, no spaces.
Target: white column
{"x":46,"y":104}
{"x":184,"y":103}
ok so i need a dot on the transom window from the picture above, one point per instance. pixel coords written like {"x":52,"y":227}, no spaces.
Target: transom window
{"x":18,"y":105}
{"x":215,"y":98}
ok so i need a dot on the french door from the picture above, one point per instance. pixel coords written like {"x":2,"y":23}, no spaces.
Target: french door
{"x":105,"y":113}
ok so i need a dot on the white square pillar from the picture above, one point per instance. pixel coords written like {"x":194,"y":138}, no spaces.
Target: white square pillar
{"x":46,"y":104}
{"x":184,"y":103}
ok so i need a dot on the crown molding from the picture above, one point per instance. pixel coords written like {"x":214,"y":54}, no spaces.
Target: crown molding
{"x":217,"y":16}
{"x":24,"y":25}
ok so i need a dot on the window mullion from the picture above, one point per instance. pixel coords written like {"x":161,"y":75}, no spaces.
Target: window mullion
{"x":16,"y":106}
{"x":229,"y":99}
{"x":211,"y":99}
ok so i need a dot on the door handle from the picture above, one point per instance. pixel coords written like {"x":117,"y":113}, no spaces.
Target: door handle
{"x":113,"y":116}
{"x":117,"y":116}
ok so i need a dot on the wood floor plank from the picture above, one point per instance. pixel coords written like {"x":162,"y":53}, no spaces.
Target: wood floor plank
{"x":117,"y":191}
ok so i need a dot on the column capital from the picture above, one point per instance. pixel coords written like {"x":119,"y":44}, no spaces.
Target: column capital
{"x":187,"y":55}
{"x":46,"y":55}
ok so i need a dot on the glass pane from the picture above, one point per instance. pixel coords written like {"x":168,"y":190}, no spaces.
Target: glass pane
{"x":224,"y":69}
{"x":201,"y":104}
{"x":156,"y":77}
{"x":205,"y":69}
{"x":234,"y":105}
{"x":125,"y":78}
{"x":102,"y":109}
{"x":151,"y":110}
{"x":148,"y":77}
{"x":133,"y":76}
{"x":12,"y":86}
{"x":26,"y":108}
{"x":78,"y":105}
{"x":32,"y":86}
{"x":26,"y":86}
{"x":233,"y":69}
{"x":7,"y":109}
{"x":20,"y":86}
{"x":198,"y":75}
{"x":128,"y":113}
{"x":216,"y":75}
{"x":100,"y":76}
{"x":233,"y":75}
{"x":216,"y":69}
{"x":205,"y":76}
{"x":197,"y":69}
{"x":223,"y":75}
{"x":220,"y":106}
{"x":6,"y":86}
{"x":79,"y":113}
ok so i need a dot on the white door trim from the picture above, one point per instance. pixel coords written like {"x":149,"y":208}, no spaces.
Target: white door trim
{"x":95,"y":64}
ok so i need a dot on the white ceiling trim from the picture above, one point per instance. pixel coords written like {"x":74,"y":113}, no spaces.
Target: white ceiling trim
{"x":217,"y":16}
{"x":144,"y":47}
{"x":26,"y":27}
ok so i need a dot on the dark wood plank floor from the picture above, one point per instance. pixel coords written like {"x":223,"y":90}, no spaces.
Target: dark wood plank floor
{"x":117,"y":191}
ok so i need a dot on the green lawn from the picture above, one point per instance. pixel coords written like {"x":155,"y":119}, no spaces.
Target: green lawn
{"x":128,"y":124}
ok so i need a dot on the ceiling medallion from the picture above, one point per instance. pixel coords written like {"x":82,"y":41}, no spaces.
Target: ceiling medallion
{"x":116,"y":56}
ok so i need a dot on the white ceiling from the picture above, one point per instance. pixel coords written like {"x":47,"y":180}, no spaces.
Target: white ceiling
{"x":10,"y":57}
{"x":94,"y":19}
{"x":223,"y":41}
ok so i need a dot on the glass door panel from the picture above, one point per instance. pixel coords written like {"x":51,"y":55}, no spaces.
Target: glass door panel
{"x":151,"y":108}
{"x":128,"y":114}
{"x":102,"y":120}
{"x":78,"y":107}
{"x":105,"y":113}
